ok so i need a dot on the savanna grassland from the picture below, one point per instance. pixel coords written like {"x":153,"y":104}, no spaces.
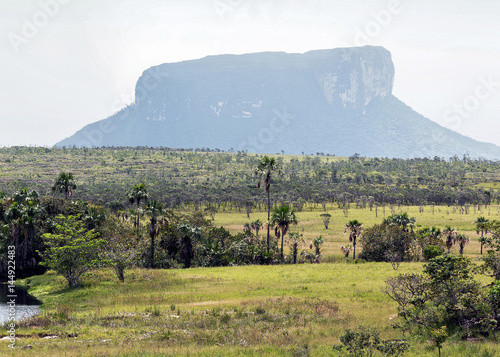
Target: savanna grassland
{"x":248,"y":310}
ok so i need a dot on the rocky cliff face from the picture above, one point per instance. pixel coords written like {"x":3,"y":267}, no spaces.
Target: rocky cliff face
{"x":350,"y":77}
{"x":335,"y":101}
{"x":356,"y":77}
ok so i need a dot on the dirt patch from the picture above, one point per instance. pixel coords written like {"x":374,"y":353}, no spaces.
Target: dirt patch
{"x":210,"y":303}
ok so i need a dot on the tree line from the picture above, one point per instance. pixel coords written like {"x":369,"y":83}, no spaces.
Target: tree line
{"x":73,"y":236}
{"x":225,"y":180}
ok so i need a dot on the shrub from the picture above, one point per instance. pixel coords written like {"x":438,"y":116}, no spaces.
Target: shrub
{"x":445,"y":295}
{"x":364,"y":341}
{"x":383,"y":239}
{"x":432,"y":251}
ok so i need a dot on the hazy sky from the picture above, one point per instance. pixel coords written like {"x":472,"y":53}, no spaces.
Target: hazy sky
{"x":67,"y":63}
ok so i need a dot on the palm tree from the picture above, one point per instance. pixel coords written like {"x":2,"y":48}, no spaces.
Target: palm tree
{"x":65,"y":183}
{"x":450,"y":235}
{"x":247,"y":228}
{"x":93,"y":216}
{"x":30,"y":211}
{"x":345,"y":249}
{"x":462,"y":241}
{"x":135,"y":215}
{"x":326,"y":219}
{"x":257,"y":225}
{"x":23,"y":195}
{"x":354,"y":228}
{"x":188,"y":235}
{"x":211,"y":210}
{"x":137,"y":193}
{"x":482,"y":225}
{"x":318,"y":242}
{"x":266,"y":167}
{"x":281,"y":219}
{"x":295,"y":242}
{"x":401,"y":220}
{"x":153,"y":209}
{"x":22,"y":213}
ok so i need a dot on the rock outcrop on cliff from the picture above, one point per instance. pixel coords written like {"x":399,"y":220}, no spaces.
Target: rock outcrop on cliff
{"x":335,"y":101}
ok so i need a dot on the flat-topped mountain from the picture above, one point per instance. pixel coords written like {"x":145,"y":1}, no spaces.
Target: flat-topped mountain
{"x":335,"y":101}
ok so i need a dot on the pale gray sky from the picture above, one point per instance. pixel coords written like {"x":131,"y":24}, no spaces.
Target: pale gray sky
{"x":67,"y":63}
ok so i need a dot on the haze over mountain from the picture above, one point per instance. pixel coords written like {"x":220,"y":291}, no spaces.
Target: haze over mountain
{"x":335,"y":101}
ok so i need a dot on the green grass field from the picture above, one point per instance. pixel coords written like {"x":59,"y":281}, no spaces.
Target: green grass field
{"x":248,"y":310}
{"x":311,"y":224}
{"x":291,"y":310}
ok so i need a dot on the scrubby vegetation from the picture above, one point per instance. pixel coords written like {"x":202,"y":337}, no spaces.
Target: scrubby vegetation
{"x":80,"y":223}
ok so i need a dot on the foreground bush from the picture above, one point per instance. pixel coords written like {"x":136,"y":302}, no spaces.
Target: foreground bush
{"x":383,"y":240}
{"x":446,"y":294}
{"x":365,"y":341}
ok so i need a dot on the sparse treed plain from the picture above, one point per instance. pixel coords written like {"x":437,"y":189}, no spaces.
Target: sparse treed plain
{"x":154,"y":251}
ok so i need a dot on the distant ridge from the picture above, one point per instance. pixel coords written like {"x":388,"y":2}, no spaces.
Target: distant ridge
{"x":336,"y":101}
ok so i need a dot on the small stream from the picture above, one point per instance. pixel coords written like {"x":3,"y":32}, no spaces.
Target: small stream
{"x":26,"y":305}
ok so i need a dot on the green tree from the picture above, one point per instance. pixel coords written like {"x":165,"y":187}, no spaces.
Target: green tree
{"x":154,"y":210}
{"x":439,"y":336}
{"x":281,"y":218}
{"x":93,"y":216}
{"x":346,"y":249}
{"x":431,"y":251}
{"x":462,"y":241}
{"x":445,"y":295}
{"x":450,"y":236}
{"x":65,"y":183}
{"x":326,"y":219}
{"x":429,"y":236}
{"x":451,"y":286}
{"x":384,"y":242}
{"x":211,"y":210}
{"x":317,"y":243}
{"x":22,"y":213}
{"x":295,"y":242}
{"x":121,"y":249}
{"x":491,"y":260}
{"x":482,"y":225}
{"x":248,"y":207}
{"x":401,"y":220}
{"x":354,"y":228}
{"x":266,"y":168}
{"x":187,"y":235}
{"x":491,"y":266}
{"x":72,"y":250}
{"x":137,"y":194}
{"x":256,"y":225}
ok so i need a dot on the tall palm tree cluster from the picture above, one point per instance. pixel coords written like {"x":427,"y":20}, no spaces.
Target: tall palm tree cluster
{"x":281,"y":219}
{"x":266,"y":168}
{"x":21,"y":213}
